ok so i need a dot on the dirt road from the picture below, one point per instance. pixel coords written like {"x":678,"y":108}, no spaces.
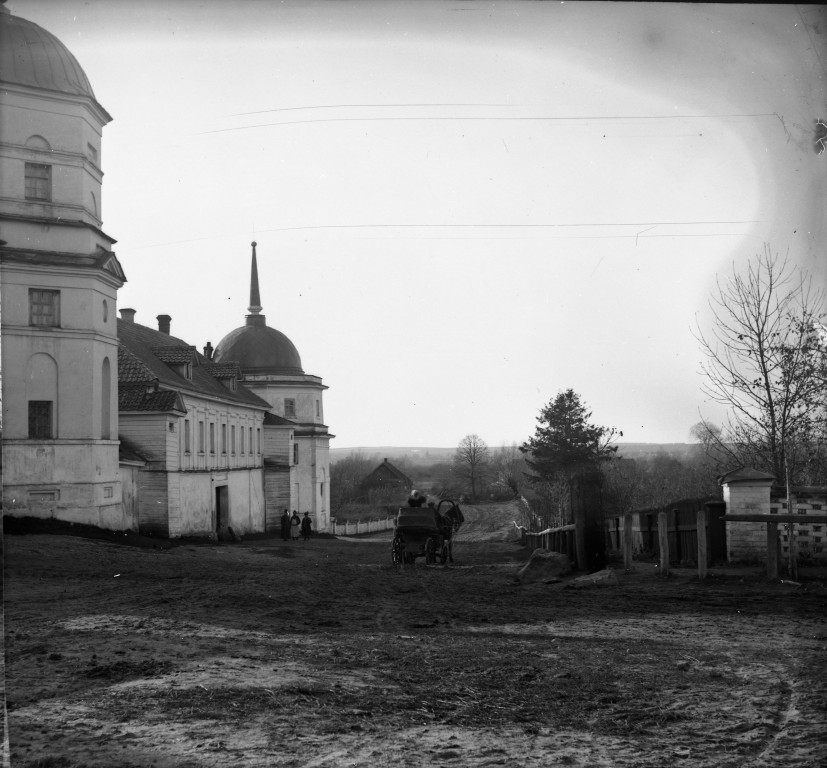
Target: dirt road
{"x":268,"y":653}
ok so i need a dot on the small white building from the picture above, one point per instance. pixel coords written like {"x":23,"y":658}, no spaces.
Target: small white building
{"x":199,"y":432}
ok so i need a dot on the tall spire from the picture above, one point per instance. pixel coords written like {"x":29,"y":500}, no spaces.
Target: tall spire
{"x":255,"y":298}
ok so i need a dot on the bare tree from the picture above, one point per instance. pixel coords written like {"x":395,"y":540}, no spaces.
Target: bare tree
{"x":508,"y":467}
{"x":346,"y":476}
{"x":471,"y":461}
{"x":763,"y":360}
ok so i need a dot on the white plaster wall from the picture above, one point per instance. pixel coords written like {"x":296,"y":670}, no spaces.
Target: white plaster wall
{"x":68,"y":126}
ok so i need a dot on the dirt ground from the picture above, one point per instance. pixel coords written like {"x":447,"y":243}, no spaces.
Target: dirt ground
{"x":267,"y":653}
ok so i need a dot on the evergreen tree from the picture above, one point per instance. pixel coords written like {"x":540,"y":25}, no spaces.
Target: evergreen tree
{"x":565,"y":442}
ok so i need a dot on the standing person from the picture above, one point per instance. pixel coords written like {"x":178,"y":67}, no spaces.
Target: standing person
{"x":306,"y":526}
{"x":295,"y":526}
{"x":285,"y":526}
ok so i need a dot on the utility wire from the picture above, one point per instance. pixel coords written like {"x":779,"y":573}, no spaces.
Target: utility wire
{"x":484,"y":118}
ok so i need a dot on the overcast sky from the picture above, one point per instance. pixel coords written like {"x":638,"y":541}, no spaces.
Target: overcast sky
{"x":461,"y":208}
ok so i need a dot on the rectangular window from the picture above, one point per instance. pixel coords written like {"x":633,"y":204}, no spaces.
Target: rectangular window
{"x":44,"y":308}
{"x":223,"y":438}
{"x":295,"y":453}
{"x":318,"y":409}
{"x":258,"y":440}
{"x":40,"y":419}
{"x":251,"y":439}
{"x":232,"y":439}
{"x":212,"y":437}
{"x":289,"y":408}
{"x":187,"y":435}
{"x":200,"y":437}
{"x":38,"y":182}
{"x":241,"y":442}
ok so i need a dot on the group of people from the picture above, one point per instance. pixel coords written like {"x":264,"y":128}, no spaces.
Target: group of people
{"x":293,"y":526}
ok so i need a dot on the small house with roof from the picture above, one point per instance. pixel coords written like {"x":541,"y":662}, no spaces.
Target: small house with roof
{"x":386,"y":476}
{"x":198,"y":431}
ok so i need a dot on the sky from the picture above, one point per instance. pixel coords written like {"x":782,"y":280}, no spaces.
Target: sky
{"x":461,"y":208}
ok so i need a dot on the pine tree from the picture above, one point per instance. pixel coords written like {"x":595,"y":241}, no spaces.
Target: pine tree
{"x":565,"y":442}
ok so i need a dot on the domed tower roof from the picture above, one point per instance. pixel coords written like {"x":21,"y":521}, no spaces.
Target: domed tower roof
{"x":32,"y":57}
{"x":255,"y":346}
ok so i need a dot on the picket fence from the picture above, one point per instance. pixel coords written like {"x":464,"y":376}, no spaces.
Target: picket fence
{"x":357,"y":527}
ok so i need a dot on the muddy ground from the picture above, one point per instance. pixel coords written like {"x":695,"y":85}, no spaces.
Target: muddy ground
{"x":265,"y":653}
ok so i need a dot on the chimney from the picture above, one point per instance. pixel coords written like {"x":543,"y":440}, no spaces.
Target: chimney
{"x":208,"y":350}
{"x":128,"y":315}
{"x":163,"y":323}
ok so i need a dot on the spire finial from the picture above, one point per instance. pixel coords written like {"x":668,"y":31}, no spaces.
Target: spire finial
{"x":255,"y":298}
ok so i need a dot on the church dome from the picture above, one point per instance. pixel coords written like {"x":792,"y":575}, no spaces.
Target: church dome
{"x":255,"y":346}
{"x":259,"y":349}
{"x":32,"y":57}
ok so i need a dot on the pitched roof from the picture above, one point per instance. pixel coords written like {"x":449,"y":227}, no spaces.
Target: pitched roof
{"x":271,"y":419}
{"x":138,"y":398}
{"x":387,"y":472}
{"x":147,"y":350}
{"x":231,"y":370}
{"x":174,"y":355}
{"x":131,"y":370}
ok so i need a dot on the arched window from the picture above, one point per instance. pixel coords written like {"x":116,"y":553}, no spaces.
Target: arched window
{"x":38,"y":142}
{"x":93,"y":204}
{"x":106,"y":397}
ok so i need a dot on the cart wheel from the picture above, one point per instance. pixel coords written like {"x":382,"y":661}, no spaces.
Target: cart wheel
{"x":397,"y":552}
{"x":430,"y":552}
{"x":443,"y":555}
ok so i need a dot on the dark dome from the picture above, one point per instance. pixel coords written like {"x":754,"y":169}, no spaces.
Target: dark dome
{"x":31,"y":56}
{"x":259,"y":349}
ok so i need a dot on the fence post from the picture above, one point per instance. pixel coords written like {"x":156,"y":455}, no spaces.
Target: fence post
{"x":663,"y":541}
{"x":627,"y":542}
{"x":702,"y":553}
{"x":772,"y":551}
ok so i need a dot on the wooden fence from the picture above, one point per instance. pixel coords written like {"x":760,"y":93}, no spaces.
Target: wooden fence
{"x":357,"y":527}
{"x":681,"y":531}
{"x":649,"y":532}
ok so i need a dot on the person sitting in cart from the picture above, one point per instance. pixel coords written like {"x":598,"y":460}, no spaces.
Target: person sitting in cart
{"x":416,"y":499}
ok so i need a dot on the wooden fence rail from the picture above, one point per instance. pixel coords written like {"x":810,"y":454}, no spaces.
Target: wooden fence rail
{"x":357,"y":527}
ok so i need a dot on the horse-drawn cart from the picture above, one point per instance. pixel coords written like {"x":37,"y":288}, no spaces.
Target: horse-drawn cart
{"x":419,"y":532}
{"x":424,"y":532}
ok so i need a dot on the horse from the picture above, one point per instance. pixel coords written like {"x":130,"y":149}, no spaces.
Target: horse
{"x":453,"y":522}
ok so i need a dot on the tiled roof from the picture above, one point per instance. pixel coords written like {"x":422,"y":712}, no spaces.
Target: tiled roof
{"x":137,"y":398}
{"x":230,"y":370}
{"x":131,"y":370}
{"x":174,"y":355}
{"x":146,"y":344}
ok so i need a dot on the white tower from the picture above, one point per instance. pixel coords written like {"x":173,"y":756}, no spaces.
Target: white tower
{"x":59,"y":287}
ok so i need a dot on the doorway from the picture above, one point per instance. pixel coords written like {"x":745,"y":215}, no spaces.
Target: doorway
{"x":222,"y":511}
